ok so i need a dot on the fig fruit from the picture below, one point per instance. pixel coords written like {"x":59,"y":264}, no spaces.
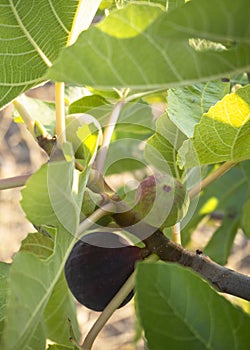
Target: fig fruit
{"x":161,"y":200}
{"x":98,"y":266}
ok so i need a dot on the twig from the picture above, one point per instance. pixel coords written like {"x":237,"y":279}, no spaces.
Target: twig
{"x":127,"y":287}
{"x":12,"y":182}
{"x":211,"y":178}
{"x":107,"y":135}
{"x":222,"y":278}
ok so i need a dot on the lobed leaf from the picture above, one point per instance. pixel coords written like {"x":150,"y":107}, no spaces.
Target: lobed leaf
{"x":180,"y":310}
{"x":41,"y":245}
{"x":60,"y":314}
{"x":32,"y":35}
{"x":148,"y":48}
{"x":161,"y":148}
{"x":223,"y":133}
{"x":187,"y":105}
{"x":33,"y":281}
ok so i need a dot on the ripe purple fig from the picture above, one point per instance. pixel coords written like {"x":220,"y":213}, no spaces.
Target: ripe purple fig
{"x":98,"y":266}
{"x":161,"y":200}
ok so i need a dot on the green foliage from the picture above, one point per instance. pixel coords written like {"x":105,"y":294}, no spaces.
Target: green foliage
{"x":181,"y":69}
{"x":223,"y":132}
{"x":187,"y":105}
{"x":156,"y":52}
{"x":225,"y":197}
{"x":4,"y":274}
{"x":178,"y":316}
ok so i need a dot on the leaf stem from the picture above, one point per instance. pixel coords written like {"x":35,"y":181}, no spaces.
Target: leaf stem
{"x":60,"y":113}
{"x":28,"y":120}
{"x":107,"y":135}
{"x":211,"y":178}
{"x":127,"y":287}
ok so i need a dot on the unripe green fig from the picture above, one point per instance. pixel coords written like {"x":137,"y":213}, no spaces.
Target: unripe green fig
{"x":98,"y":266}
{"x":161,"y":200}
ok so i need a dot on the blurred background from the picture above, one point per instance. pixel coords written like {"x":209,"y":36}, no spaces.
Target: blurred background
{"x":20,"y":155}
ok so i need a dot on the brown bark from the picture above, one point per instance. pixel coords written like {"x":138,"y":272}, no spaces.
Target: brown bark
{"x":222,"y":278}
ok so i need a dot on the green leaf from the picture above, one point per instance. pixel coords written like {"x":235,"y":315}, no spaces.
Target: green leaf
{"x":245,"y":217}
{"x":220,"y":245}
{"x":40,"y":244}
{"x":135,"y":120}
{"x":32,"y":36}
{"x":187,"y":105}
{"x":179,"y":310}
{"x":47,"y":193}
{"x":142,"y":47}
{"x":226,"y":195}
{"x":85,"y":133}
{"x":223,"y":132}
{"x":245,"y":221}
{"x":59,"y":347}
{"x":124,"y":154}
{"x":30,"y":288}
{"x":39,"y":110}
{"x":4,"y":274}
{"x":134,"y":125}
{"x":161,"y":149}
{"x":32,"y":281}
{"x":230,"y":192}
{"x":87,"y":103}
{"x":172,"y":4}
{"x":38,"y":340}
{"x":60,"y":314}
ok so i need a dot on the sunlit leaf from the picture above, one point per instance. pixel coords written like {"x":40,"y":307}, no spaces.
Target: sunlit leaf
{"x":148,"y":48}
{"x":187,"y":105}
{"x":223,"y":133}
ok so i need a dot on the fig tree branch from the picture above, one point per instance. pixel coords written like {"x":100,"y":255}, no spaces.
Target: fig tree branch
{"x":223,"y":279}
{"x":13,"y":182}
